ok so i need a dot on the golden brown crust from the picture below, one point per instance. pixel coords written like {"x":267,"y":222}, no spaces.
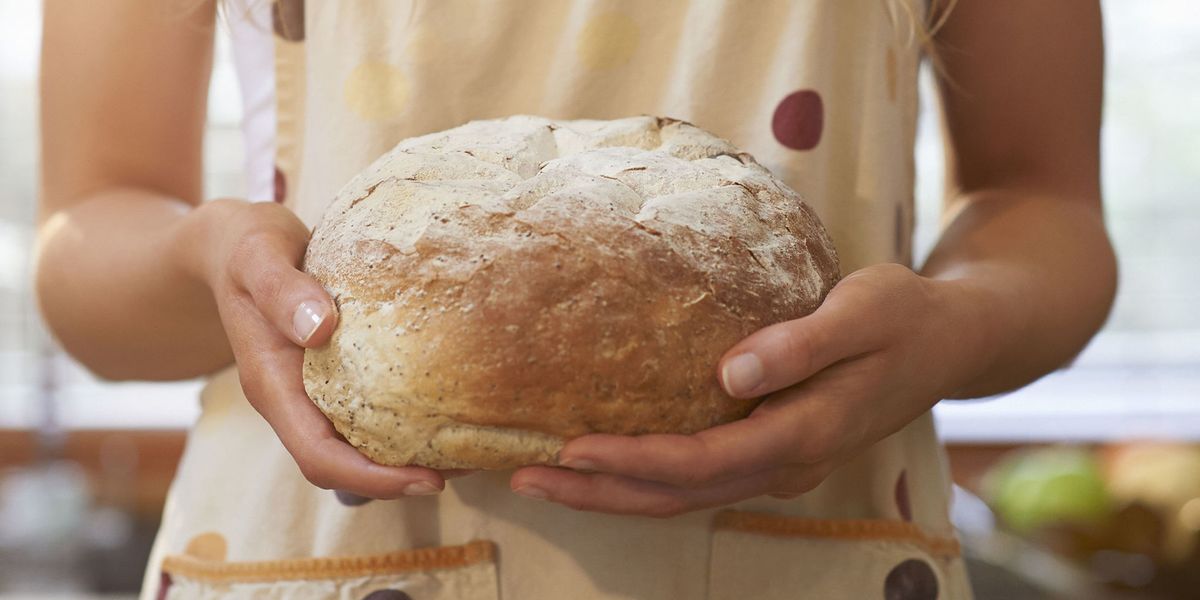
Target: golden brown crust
{"x":510,"y":284}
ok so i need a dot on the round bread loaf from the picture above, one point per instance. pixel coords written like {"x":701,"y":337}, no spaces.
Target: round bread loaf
{"x":510,"y":284}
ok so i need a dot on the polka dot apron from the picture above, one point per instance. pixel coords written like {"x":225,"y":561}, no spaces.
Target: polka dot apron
{"x":822,"y":92}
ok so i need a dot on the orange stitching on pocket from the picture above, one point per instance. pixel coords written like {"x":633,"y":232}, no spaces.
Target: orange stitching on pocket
{"x":847,"y":529}
{"x":421,"y":559}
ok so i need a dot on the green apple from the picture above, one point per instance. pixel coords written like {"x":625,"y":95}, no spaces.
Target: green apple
{"x":1052,"y":485}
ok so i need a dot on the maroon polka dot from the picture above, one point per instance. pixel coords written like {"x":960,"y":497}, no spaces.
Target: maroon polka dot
{"x":387,"y":595}
{"x":903,"y":504}
{"x":164,"y":585}
{"x":912,"y":579}
{"x":280,"y":186}
{"x":349,"y":499}
{"x":799,"y":120}
{"x":287,"y":19}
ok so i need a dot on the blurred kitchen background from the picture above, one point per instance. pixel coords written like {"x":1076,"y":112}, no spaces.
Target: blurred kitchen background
{"x":1083,"y":485}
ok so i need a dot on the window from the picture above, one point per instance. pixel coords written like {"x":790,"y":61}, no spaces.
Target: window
{"x":39,"y":385}
{"x":1140,"y":377}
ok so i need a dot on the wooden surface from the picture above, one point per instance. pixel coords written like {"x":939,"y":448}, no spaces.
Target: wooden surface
{"x":129,"y":469}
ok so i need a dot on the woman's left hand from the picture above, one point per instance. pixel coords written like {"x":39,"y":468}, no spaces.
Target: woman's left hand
{"x":880,"y":351}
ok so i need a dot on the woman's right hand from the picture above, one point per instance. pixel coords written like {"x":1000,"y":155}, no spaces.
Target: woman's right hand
{"x":249,"y":255}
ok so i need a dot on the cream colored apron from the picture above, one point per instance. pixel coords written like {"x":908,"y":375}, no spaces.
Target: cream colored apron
{"x":822,"y":92}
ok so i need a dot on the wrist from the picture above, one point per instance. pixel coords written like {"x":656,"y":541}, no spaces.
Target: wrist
{"x":980,"y":320}
{"x":200,"y":236}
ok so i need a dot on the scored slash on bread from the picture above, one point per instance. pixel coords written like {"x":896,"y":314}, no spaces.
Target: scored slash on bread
{"x":510,"y":284}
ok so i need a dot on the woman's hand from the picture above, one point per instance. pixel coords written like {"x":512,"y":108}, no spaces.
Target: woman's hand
{"x":249,"y":255}
{"x":1022,"y":276}
{"x":882,"y":349}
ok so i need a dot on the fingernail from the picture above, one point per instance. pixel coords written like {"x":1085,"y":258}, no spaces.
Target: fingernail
{"x":307,"y":318}
{"x":350,"y":499}
{"x":742,"y":374}
{"x":529,"y":491}
{"x":579,"y":464}
{"x":421,"y":488}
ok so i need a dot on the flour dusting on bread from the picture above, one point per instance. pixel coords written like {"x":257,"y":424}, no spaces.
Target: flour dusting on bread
{"x":509,"y":284}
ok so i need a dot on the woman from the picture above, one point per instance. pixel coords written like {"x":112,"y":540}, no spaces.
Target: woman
{"x":834,"y":488}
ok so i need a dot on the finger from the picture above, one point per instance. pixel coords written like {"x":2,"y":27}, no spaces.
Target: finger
{"x":784,"y":354}
{"x":789,"y":427}
{"x":352,"y":499}
{"x":614,"y":494}
{"x":265,"y":266}
{"x":269,"y":366}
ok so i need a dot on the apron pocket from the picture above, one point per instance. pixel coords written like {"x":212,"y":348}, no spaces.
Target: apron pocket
{"x":466,"y":572}
{"x":767,"y":556}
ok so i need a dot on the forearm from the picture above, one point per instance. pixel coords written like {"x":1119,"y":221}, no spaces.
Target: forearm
{"x":118,"y":285}
{"x":1031,"y":277}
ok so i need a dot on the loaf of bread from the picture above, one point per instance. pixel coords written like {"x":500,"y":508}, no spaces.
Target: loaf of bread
{"x":510,"y":284}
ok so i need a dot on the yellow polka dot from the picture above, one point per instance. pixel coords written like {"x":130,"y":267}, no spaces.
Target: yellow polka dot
{"x":376,"y":91}
{"x":891,"y":74}
{"x":207,"y":546}
{"x":607,"y":40}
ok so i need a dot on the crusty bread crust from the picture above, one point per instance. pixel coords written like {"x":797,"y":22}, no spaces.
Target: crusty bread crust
{"x":509,"y":284}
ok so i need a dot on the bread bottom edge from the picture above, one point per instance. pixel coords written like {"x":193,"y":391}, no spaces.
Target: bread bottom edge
{"x":468,"y":446}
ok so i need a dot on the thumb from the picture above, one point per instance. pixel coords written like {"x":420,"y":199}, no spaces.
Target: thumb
{"x":784,"y":354}
{"x":295,"y":303}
